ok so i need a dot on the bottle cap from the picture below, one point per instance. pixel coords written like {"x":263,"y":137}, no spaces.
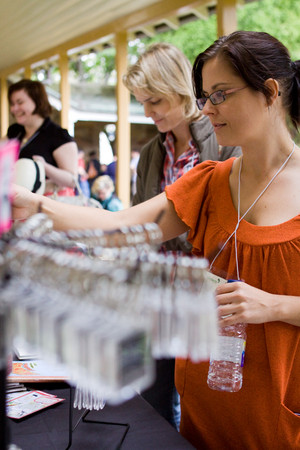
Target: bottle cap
{"x":232,"y":280}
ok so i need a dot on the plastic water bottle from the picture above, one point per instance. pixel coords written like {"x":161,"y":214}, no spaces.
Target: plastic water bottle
{"x":226,"y":364}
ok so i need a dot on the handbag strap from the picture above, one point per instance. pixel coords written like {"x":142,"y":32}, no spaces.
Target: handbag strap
{"x":77,"y":186}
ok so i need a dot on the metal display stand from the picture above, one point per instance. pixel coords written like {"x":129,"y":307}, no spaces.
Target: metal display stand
{"x":84,"y":419}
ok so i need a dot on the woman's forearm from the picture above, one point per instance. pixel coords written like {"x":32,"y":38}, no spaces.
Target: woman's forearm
{"x":289,"y":309}
{"x":68,"y":217}
{"x":60,"y":177}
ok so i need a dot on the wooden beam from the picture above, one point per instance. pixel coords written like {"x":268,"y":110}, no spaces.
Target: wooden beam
{"x":172,"y":22}
{"x":4,"y":107}
{"x":201,"y":12}
{"x":129,"y":22}
{"x":27,"y":72}
{"x":123,"y":125}
{"x":226,"y":17}
{"x":148,"y":30}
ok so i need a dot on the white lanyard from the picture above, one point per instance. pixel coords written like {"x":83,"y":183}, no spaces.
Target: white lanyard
{"x":250,"y":207}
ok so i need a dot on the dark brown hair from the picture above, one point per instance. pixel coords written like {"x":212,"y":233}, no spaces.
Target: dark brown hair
{"x":255,"y":57}
{"x":36,"y":92}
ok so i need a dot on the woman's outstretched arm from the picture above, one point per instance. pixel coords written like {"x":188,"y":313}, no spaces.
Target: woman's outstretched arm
{"x":69,"y":217}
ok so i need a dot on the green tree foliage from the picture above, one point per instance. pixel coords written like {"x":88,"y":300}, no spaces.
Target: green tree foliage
{"x":191,"y":38}
{"x":277,"y":17}
{"x":94,"y":66}
{"x":281,"y":18}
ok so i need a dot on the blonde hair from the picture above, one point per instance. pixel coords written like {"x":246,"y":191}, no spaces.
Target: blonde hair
{"x":164,"y":70}
{"x":104,"y":181}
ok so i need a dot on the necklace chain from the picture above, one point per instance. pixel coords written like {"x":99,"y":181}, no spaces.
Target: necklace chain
{"x":250,"y":207}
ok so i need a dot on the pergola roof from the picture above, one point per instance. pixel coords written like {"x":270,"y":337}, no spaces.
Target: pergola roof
{"x":37,"y":29}
{"x":35,"y":32}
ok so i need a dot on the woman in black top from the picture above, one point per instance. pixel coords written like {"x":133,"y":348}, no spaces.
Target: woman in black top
{"x":40,"y":138}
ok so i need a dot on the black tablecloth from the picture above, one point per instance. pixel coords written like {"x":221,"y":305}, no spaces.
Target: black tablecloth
{"x":49,"y":428}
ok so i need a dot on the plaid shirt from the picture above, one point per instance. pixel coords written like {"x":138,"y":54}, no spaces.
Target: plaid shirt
{"x":175,"y":169}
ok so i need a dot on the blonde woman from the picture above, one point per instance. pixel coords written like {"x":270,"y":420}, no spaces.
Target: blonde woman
{"x":161,"y":80}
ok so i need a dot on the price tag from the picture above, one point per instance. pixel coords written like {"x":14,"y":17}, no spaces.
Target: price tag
{"x":214,"y":280}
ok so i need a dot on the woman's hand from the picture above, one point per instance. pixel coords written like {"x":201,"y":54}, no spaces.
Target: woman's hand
{"x":66,"y":169}
{"x":239,"y":302}
{"x":24,"y":203}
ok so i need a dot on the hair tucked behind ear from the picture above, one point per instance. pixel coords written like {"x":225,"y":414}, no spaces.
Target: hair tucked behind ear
{"x":255,"y":57}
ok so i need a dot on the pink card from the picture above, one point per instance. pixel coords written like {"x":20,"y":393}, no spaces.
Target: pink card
{"x":8,"y":155}
{"x":28,"y":403}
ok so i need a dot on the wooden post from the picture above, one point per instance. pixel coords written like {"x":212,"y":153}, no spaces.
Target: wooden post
{"x":64,"y":90}
{"x":4,"y":108}
{"x":123,"y":124}
{"x":27,"y":72}
{"x":226,"y":17}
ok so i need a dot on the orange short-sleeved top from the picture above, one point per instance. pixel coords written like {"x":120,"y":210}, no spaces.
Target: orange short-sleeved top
{"x":263,"y":414}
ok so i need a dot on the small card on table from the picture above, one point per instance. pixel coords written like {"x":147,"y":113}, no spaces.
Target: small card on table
{"x":19,"y":405}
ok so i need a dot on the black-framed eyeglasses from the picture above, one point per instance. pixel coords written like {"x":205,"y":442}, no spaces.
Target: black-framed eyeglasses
{"x":216,"y":97}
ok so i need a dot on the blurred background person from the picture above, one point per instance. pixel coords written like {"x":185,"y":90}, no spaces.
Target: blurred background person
{"x":40,"y":138}
{"x":103,"y":190}
{"x":135,"y":156}
{"x":82,"y":174}
{"x":111,"y":169}
{"x":93,"y":168}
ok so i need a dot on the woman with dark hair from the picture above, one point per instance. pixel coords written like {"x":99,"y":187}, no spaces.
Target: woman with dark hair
{"x":243,"y":215}
{"x":40,"y":138}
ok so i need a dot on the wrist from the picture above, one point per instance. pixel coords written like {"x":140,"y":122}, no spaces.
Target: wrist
{"x":36,"y":205}
{"x":279,"y":308}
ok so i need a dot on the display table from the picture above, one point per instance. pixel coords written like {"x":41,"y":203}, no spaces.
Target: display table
{"x":49,"y":428}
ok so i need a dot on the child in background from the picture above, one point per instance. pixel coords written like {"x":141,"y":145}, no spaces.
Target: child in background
{"x":103,"y":190}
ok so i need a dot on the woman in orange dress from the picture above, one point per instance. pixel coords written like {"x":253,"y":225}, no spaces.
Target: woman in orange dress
{"x":243,"y":215}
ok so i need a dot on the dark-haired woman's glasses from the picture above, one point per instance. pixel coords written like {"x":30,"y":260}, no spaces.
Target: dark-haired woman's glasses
{"x":216,"y":97}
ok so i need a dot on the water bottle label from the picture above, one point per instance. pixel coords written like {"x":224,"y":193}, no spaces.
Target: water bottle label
{"x":243,"y":354}
{"x":230,"y":349}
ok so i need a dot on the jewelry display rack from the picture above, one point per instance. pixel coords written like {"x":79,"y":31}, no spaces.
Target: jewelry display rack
{"x":113,"y":296}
